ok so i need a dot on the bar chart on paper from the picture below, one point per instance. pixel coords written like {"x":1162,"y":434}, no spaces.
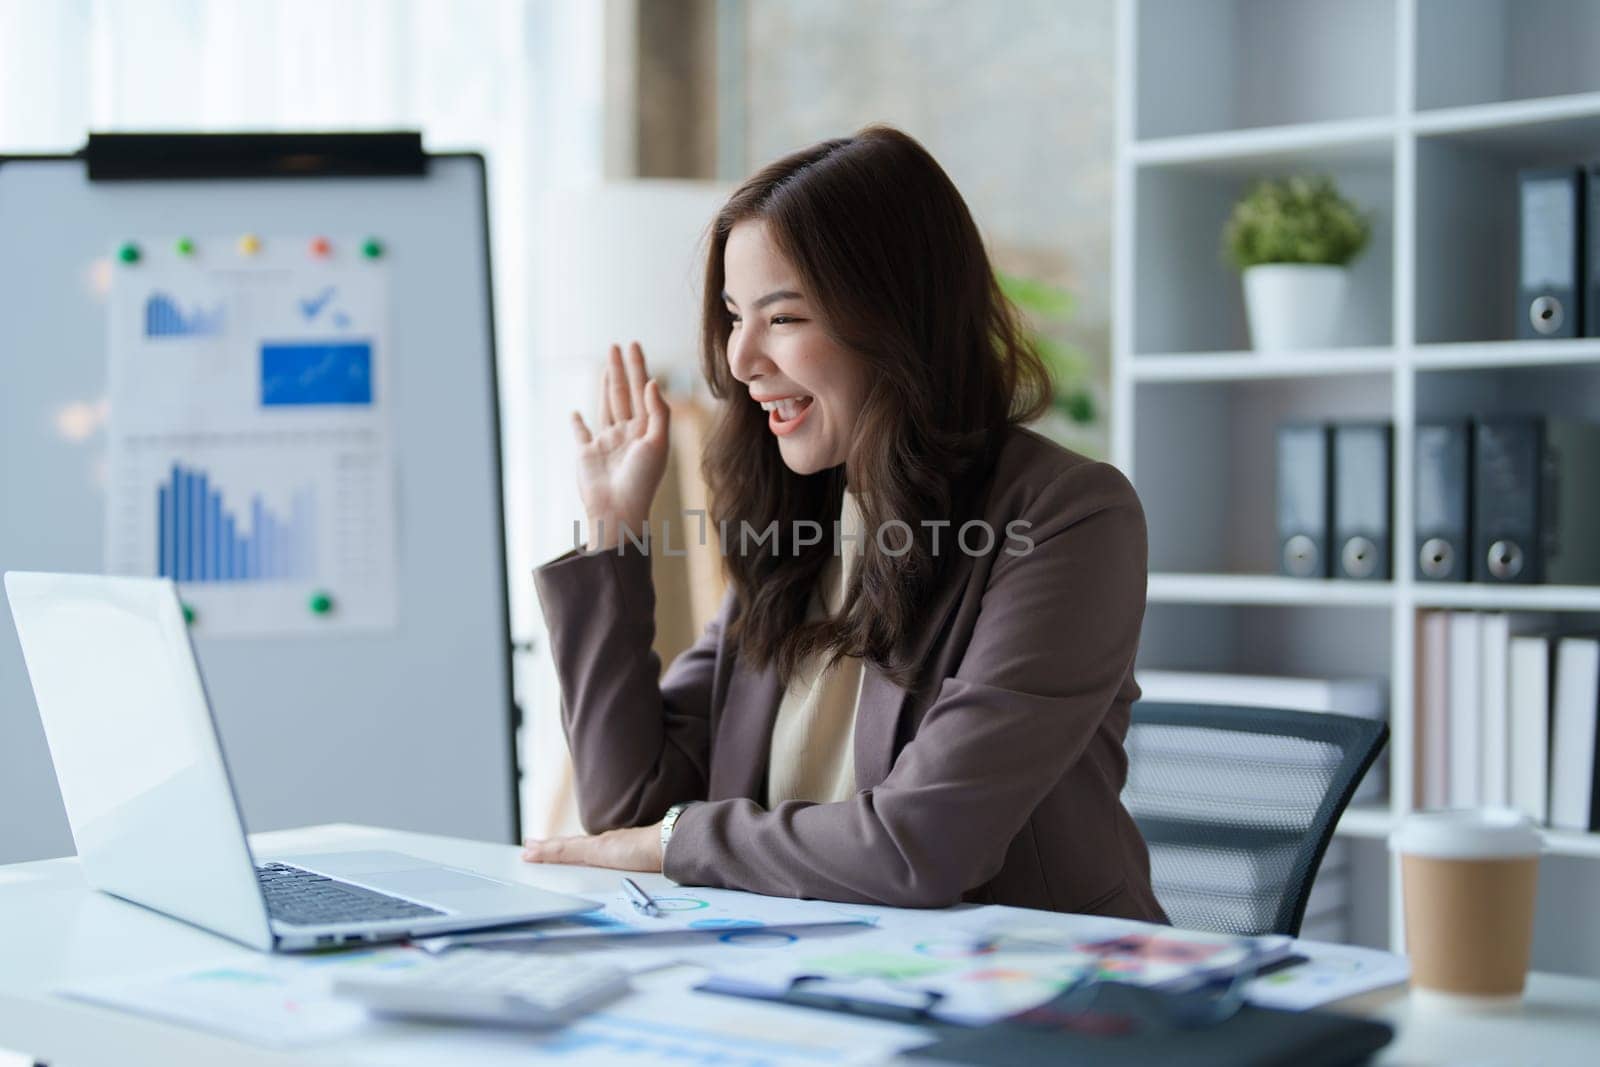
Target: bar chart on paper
{"x":201,"y":538}
{"x":249,"y":455}
{"x":257,"y":528}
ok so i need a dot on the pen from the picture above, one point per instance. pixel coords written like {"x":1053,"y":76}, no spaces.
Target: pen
{"x":640,"y":899}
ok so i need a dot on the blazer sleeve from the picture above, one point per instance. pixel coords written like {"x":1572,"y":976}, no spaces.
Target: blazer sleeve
{"x":1053,"y":642}
{"x":640,"y":740}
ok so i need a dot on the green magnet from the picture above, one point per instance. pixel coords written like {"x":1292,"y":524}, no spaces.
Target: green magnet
{"x":372,"y":248}
{"x":185,"y":247}
{"x":188,"y":614}
{"x":129,"y":252}
{"x":321,"y":603}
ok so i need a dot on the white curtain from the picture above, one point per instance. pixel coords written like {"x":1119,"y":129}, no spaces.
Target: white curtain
{"x":520,"y":80}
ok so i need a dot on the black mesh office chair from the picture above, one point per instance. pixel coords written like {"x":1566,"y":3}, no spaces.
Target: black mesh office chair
{"x":1238,"y":806}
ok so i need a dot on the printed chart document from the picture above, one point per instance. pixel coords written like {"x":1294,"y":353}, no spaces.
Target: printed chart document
{"x":250,"y":457}
{"x":981,"y":967}
{"x":1330,"y":972}
{"x":973,"y":966}
{"x":280,"y":1001}
{"x":687,"y":916}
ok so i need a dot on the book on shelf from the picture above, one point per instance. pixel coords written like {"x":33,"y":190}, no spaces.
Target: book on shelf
{"x":1465,"y":727}
{"x":1507,"y":718}
{"x":1529,"y":693}
{"x":1433,"y":711}
{"x":1573,"y":798}
{"x":1494,"y":652}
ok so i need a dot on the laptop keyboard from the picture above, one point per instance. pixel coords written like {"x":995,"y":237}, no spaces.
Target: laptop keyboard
{"x":304,"y":898}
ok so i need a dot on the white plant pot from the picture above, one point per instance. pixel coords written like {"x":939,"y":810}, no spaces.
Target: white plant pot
{"x":1294,"y":305}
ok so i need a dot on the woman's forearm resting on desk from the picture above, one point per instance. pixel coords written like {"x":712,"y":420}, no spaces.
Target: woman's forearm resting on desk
{"x":635,"y":849}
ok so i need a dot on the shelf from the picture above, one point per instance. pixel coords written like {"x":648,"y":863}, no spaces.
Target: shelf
{"x":1501,"y":355}
{"x":1374,"y":821}
{"x":1169,"y":588}
{"x":1423,"y":112}
{"x":1571,"y":843}
{"x":1518,"y":125}
{"x":1235,"y":366}
{"x":1249,"y":152}
{"x":1365,"y":821}
{"x":1481,"y":597}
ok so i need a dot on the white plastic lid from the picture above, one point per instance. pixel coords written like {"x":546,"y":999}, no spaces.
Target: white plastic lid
{"x":1483,"y":833}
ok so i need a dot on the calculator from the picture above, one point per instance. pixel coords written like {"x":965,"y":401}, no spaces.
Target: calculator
{"x":489,"y":986}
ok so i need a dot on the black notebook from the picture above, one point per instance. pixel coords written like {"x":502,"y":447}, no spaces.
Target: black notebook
{"x":1123,"y":1024}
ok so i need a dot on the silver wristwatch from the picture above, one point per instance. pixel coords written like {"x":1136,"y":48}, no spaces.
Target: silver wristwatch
{"x":668,"y":821}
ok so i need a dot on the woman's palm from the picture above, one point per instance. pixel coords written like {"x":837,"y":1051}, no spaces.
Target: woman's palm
{"x":622,"y":460}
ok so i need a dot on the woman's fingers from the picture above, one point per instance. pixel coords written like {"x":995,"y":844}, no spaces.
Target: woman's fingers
{"x":602,"y":407}
{"x":617,"y":376}
{"x":580,"y":429}
{"x":633,"y":849}
{"x":637,"y":378}
{"x":542,"y":851}
{"x":555,"y":850}
{"x":658,"y":416}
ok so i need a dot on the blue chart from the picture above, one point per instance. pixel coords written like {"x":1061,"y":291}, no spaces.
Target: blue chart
{"x":164,"y":318}
{"x":316,"y":372}
{"x":200,"y":540}
{"x":607,"y":1036}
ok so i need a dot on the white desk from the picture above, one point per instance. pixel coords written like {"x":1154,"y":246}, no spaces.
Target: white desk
{"x":53,"y":930}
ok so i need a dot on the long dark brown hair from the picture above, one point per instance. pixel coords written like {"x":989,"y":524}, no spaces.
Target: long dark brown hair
{"x":893,"y":263}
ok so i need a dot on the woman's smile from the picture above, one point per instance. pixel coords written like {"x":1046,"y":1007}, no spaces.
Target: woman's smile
{"x":785,"y":414}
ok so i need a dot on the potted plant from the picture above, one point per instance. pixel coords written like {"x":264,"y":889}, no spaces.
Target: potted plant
{"x":1293,"y":238}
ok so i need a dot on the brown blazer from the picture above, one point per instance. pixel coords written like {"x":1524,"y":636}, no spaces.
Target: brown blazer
{"x":997,"y":779}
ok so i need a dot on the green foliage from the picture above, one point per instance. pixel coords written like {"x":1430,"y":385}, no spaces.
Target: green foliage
{"x":1036,"y":297}
{"x":1041,"y":302}
{"x":1295,"y":220}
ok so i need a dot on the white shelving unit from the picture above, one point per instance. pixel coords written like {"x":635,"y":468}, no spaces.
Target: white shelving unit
{"x":1422,"y":111}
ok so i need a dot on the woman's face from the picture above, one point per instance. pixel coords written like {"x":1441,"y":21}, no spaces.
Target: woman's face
{"x":813,"y":388}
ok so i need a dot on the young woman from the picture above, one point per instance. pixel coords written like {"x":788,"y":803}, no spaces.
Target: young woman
{"x":917,"y":689}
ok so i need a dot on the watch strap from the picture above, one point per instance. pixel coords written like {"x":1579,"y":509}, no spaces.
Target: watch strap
{"x":668,"y":821}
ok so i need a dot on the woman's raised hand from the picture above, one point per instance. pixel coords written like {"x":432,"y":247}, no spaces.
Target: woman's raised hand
{"x":622,"y":458}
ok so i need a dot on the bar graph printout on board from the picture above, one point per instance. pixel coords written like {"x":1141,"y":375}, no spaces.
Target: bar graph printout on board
{"x":250,"y":456}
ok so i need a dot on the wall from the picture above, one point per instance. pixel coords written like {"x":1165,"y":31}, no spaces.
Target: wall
{"x":1014,"y":98}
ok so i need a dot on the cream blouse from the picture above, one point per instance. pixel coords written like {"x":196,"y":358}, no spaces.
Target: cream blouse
{"x":812,"y":755}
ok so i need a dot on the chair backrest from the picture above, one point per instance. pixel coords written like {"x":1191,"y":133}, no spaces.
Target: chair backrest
{"x":1238,"y":805}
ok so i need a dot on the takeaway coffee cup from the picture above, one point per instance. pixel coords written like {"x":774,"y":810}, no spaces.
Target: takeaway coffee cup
{"x":1468,"y":880}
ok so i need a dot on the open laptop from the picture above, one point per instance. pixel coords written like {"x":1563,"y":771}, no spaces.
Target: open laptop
{"x":152,"y":807}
